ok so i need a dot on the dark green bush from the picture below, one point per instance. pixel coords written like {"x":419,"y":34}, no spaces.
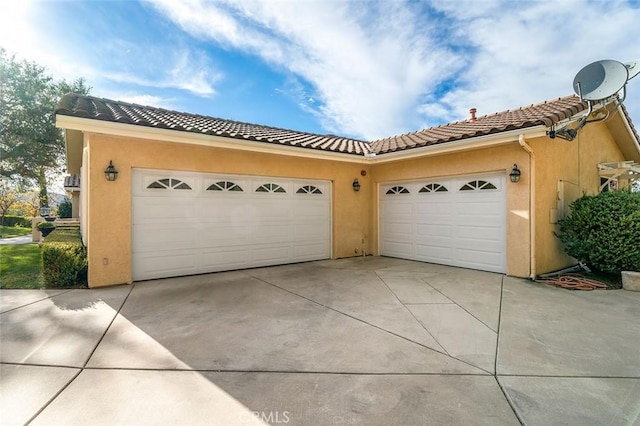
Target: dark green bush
{"x":64,"y":209}
{"x":64,"y":259}
{"x":603,"y":231}
{"x":22,"y":221}
{"x":43,"y":225}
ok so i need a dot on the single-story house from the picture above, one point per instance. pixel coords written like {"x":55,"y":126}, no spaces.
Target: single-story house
{"x":196,"y":194}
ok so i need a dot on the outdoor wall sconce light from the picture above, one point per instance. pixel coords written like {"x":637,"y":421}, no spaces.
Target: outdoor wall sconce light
{"x":356,"y":185}
{"x":515,"y":174}
{"x":110,"y":172}
{"x":45,"y":211}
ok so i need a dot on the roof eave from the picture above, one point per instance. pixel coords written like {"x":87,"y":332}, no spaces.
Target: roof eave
{"x":89,"y":125}
{"x":478,"y":142}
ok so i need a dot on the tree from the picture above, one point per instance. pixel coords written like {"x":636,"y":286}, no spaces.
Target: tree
{"x":8,"y":198}
{"x":30,"y":144}
{"x":28,"y":204}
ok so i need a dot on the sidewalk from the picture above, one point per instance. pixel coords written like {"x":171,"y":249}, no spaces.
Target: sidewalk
{"x":25,"y":239}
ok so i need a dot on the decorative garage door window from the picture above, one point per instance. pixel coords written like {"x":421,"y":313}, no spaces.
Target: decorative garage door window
{"x":397,"y":190}
{"x":477,"y":185}
{"x":433,"y":187}
{"x":225,"y":185}
{"x":168,"y":183}
{"x":308,"y":189}
{"x":270,"y":187}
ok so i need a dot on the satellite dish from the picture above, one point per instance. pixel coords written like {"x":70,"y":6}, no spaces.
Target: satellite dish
{"x":601,"y":80}
{"x":633,"y":68}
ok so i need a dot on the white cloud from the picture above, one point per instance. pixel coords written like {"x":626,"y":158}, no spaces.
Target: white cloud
{"x":186,"y":74}
{"x":167,"y":63}
{"x":367,"y":66}
{"x":141,"y":99}
{"x":530,"y":53}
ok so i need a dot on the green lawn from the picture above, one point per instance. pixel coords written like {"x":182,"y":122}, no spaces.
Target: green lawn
{"x":20,"y":266}
{"x":13,"y":231}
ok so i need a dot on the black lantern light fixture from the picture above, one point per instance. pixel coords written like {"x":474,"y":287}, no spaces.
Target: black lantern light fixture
{"x":45,"y":211}
{"x":515,"y":174}
{"x":356,"y":185}
{"x":110,"y":172}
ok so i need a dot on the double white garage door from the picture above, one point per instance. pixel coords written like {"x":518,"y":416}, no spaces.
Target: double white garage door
{"x":457,"y":221}
{"x":190,"y":223}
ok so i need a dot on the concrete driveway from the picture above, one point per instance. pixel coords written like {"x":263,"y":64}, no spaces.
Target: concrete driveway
{"x":355,"y":341}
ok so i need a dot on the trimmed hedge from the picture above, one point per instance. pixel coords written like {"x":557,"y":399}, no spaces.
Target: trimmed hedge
{"x":603,"y":231}
{"x":22,"y":221}
{"x":64,"y":259}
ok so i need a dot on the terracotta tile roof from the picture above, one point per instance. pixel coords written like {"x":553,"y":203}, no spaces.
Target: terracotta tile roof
{"x":122,"y":112}
{"x":546,"y":114}
{"x":71,"y":182}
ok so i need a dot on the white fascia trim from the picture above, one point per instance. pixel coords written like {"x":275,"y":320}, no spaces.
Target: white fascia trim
{"x":142,"y":132}
{"x":463,"y":144}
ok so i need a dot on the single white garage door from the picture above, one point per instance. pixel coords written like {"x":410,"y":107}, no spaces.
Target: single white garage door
{"x":191,"y":223}
{"x":459,"y":221}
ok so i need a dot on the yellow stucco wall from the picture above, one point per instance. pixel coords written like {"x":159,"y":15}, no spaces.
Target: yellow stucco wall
{"x":575,"y":163}
{"x":497,"y":159}
{"x":109,"y":226}
{"x":355,"y":214}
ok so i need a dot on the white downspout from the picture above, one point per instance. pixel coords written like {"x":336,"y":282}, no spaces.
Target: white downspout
{"x":532,"y":205}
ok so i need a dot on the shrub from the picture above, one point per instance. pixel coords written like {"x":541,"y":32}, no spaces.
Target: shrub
{"x":603,"y":231}
{"x":22,"y":221}
{"x":43,"y":225}
{"x":64,"y":209}
{"x":64,"y":259}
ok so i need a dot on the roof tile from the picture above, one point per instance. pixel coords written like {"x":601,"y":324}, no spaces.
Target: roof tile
{"x":122,"y":112}
{"x":545,"y":114}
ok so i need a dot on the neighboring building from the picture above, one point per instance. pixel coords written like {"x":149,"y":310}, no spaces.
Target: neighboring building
{"x":196,"y":194}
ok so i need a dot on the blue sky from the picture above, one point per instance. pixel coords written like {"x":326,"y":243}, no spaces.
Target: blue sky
{"x":363,"y":69}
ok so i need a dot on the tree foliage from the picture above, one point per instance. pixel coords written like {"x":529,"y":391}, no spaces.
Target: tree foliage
{"x":603,"y":231}
{"x":8,"y":199}
{"x":65,"y":209}
{"x":30,"y":144}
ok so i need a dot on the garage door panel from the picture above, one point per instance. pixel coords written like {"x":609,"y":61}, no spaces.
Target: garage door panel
{"x":479,"y":260}
{"x":397,"y":248}
{"x":438,"y":254}
{"x":397,"y":228}
{"x":161,"y":208}
{"x":158,"y":265}
{"x":484,"y":233}
{"x":309,"y":207}
{"x":313,"y":230}
{"x":434,"y":208}
{"x":309,"y":251}
{"x":479,"y":209}
{"x":399,"y":209}
{"x":165,"y":237}
{"x":227,"y":257}
{"x":455,"y":227}
{"x":220,"y":227}
{"x":270,"y":254}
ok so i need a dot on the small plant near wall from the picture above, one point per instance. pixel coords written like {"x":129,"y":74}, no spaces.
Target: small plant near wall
{"x":603,"y":231}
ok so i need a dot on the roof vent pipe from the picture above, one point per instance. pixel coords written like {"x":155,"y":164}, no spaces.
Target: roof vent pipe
{"x":472,"y":111}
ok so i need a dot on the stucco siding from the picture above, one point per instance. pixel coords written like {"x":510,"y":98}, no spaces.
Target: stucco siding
{"x":110,"y":202}
{"x":575,"y":163}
